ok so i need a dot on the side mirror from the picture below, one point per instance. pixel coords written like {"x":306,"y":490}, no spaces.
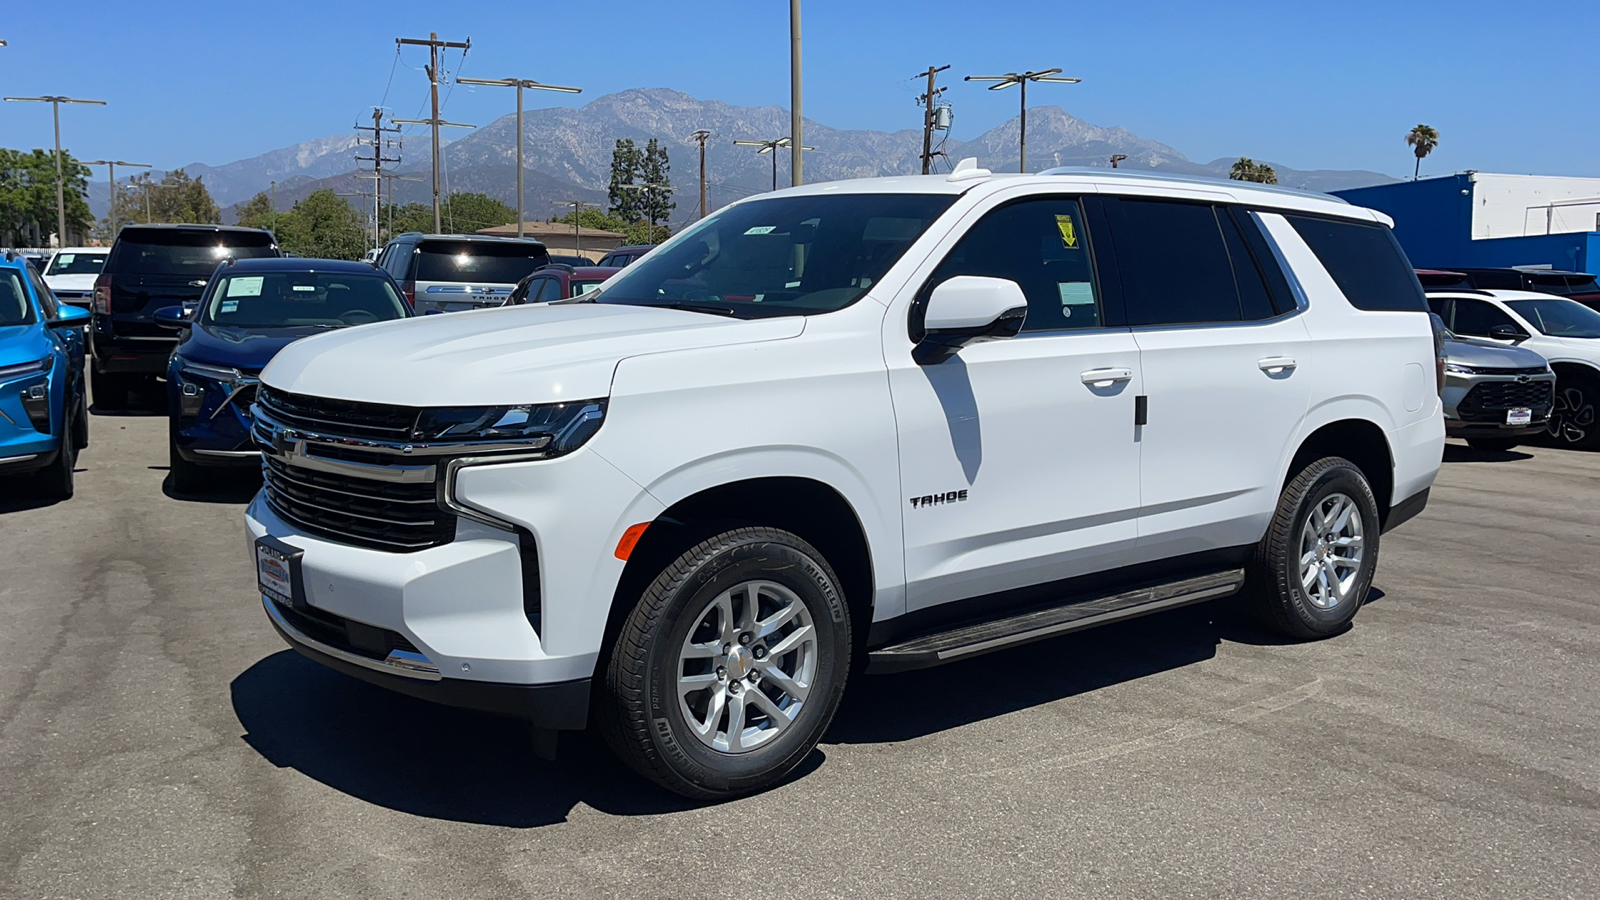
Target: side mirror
{"x":70,"y":317}
{"x":967,"y":309}
{"x":1508,"y":333}
{"x":175,"y":317}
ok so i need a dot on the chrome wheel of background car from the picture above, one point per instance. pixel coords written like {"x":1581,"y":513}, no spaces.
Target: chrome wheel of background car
{"x":1330,"y":550}
{"x":747,"y":666}
{"x":1572,"y":418}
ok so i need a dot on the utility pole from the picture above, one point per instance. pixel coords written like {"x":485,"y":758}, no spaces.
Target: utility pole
{"x":701,"y":137}
{"x":772,"y":147}
{"x":377,"y":159}
{"x":577,"y":235}
{"x":1021,"y":79}
{"x":61,"y":190}
{"x":433,"y":44}
{"x":927,"y":118}
{"x":1116,"y":158}
{"x":111,"y":179}
{"x":651,"y":187}
{"x":795,"y":161}
{"x":519,"y":84}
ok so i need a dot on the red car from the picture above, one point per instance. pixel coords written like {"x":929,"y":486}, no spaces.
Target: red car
{"x":559,"y":282}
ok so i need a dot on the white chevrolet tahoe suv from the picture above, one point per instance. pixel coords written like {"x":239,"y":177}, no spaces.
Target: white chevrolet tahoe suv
{"x":861,"y":426}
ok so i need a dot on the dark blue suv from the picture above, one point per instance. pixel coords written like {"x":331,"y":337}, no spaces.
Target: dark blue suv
{"x":251,"y":309}
{"x":44,"y":418}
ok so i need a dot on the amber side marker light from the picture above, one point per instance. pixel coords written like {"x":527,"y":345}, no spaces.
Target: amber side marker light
{"x":630,"y":539}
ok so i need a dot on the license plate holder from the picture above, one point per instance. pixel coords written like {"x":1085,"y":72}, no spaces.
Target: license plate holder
{"x":1519,"y":415}
{"x":278,"y":572}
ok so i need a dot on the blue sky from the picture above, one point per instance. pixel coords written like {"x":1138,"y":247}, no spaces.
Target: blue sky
{"x":1308,"y":84}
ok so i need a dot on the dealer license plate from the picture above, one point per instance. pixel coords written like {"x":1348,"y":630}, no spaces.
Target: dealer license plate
{"x":278,"y":571}
{"x":1520,"y":415}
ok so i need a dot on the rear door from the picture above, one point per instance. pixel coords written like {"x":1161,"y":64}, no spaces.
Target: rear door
{"x":456,"y":275}
{"x":1225,"y":369}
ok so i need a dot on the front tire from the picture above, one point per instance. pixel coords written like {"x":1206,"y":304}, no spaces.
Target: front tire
{"x":1312,"y":570}
{"x":80,"y":422}
{"x":187,"y":478}
{"x":1573,"y":420}
{"x":56,"y":482}
{"x":730,"y":667}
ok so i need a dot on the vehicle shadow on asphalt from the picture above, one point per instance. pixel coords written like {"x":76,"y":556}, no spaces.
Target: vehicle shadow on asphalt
{"x":1035,"y":674}
{"x":420,"y":758}
{"x":225,"y":485}
{"x":1461,"y":453}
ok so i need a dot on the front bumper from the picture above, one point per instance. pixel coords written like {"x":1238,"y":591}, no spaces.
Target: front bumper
{"x":1458,"y":429}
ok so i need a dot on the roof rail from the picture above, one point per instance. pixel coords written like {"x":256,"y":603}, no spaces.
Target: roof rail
{"x":1098,"y":172}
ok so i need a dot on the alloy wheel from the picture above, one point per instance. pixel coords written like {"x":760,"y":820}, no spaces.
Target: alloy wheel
{"x":1572,"y":418}
{"x":1331,"y":548}
{"x":747,"y":666}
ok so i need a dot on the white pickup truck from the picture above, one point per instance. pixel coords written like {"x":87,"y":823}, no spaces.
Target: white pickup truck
{"x":850,"y":427}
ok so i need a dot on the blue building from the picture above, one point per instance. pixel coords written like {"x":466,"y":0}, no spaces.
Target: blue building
{"x":1483,"y":219}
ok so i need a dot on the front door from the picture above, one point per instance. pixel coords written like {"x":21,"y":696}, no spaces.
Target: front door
{"x":1018,"y":459}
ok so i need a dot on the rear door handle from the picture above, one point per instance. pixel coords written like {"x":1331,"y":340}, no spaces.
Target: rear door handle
{"x":1274,"y":365}
{"x":1106,"y":377}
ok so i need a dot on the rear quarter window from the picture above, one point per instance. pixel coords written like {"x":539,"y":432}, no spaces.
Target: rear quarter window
{"x":1365,"y":261}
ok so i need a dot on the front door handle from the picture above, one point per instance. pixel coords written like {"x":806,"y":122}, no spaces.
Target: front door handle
{"x":1277,"y":365}
{"x":1106,"y":377}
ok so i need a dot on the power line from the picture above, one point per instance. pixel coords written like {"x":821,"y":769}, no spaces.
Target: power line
{"x":379,"y":142}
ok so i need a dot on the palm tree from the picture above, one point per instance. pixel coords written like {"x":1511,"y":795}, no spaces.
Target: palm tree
{"x":1247,"y":169}
{"x":1421,"y":139}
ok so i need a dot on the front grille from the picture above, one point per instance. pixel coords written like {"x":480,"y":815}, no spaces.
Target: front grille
{"x":1489,"y":401}
{"x":344,"y":634}
{"x":1535,"y":370}
{"x":346,"y":418}
{"x":366,"y":512}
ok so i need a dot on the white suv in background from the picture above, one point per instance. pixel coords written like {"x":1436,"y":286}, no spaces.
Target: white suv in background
{"x":876,"y":424}
{"x":72,"y":272}
{"x":1565,"y":332}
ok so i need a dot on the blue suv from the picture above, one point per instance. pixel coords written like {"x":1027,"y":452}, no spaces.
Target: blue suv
{"x":44,"y":412}
{"x":251,"y":309}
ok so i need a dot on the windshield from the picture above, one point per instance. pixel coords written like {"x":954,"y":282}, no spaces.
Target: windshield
{"x":150,"y":251}
{"x":302,"y":299}
{"x":785,"y":256}
{"x":77,"y":264}
{"x":14,"y":306}
{"x":480,"y":262}
{"x":1558,"y":317}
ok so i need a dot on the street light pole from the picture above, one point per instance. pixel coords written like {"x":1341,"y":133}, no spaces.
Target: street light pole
{"x":1021,"y":79}
{"x":795,"y":161}
{"x":772,"y":147}
{"x":519,"y":84}
{"x":61,"y":190}
{"x":111,"y":179}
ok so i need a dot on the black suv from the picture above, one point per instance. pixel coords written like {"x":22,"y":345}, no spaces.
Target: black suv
{"x":152,"y":266}
{"x":1579,"y":286}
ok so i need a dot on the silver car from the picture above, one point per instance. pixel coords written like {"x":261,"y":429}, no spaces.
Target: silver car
{"x":1495,"y":396}
{"x":454,"y":272}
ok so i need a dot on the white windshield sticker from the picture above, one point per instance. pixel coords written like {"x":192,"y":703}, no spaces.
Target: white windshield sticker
{"x":762,"y":229}
{"x":245,"y":286}
{"x":306,"y":287}
{"x":1076,"y":293}
{"x":66,"y":259}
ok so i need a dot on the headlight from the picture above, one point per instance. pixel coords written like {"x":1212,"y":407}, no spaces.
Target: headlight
{"x":195,"y":379}
{"x":555,"y":428}
{"x":30,"y":368}
{"x":1458,"y":369}
{"x":196,"y":370}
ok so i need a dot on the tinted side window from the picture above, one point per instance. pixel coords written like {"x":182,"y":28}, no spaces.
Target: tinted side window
{"x":1474,"y":318}
{"x":47,"y":300}
{"x":1042,"y":245}
{"x":1436,"y":305}
{"x":1174,"y":263}
{"x":1255,"y":301}
{"x":1365,"y":261}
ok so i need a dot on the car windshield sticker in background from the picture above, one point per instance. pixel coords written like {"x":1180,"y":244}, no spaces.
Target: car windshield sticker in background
{"x":762,"y":229}
{"x":249,"y":286}
{"x":1069,"y":232}
{"x":65,"y":260}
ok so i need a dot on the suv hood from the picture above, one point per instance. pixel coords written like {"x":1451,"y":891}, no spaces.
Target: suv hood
{"x":1487,"y":354}
{"x":248,"y":349}
{"x":82,"y":282}
{"x":22,"y":344}
{"x":510,"y":355}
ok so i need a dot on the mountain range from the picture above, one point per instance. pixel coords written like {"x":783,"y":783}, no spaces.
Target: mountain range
{"x":567,"y":155}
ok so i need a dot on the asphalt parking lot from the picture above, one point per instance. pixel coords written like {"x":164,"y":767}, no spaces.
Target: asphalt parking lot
{"x":157,"y":738}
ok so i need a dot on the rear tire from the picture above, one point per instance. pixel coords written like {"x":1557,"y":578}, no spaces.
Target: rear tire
{"x":110,"y":389}
{"x":730,"y":667}
{"x":1492,"y":445}
{"x":1312,"y":570}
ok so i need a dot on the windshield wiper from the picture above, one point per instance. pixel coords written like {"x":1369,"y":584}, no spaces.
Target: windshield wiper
{"x":697,"y":307}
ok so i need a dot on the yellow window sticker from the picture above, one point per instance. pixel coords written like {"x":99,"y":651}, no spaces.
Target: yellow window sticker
{"x":1069,"y":232}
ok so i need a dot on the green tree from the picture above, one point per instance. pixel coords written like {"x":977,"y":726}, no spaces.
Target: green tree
{"x":323,"y":226}
{"x":257,"y":212}
{"x":626,"y":165}
{"x":407,"y":217}
{"x":656,"y":204}
{"x":175,"y":198}
{"x":28,"y":197}
{"x":464,"y":212}
{"x":1247,"y":169}
{"x":593,"y":217}
{"x":1422,"y":140}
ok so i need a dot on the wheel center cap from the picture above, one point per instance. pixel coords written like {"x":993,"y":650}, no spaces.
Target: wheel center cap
{"x":740,"y":662}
